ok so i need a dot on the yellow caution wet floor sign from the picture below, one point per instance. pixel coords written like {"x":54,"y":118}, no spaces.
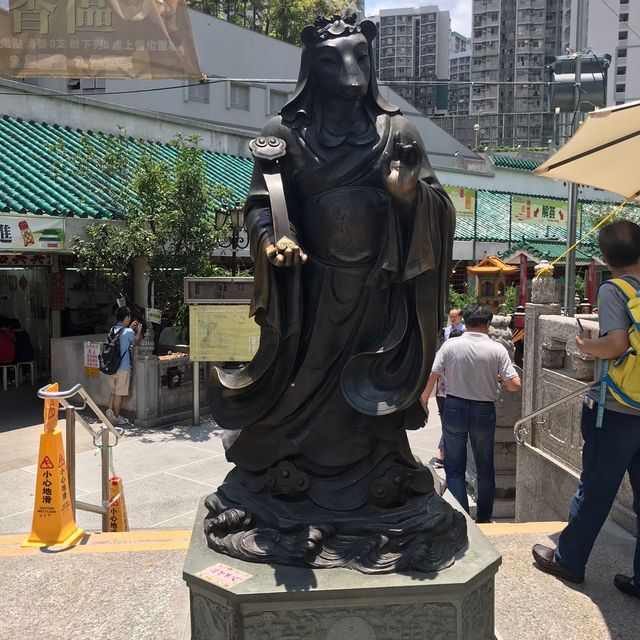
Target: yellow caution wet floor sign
{"x":118,"y":519}
{"x":53,"y":521}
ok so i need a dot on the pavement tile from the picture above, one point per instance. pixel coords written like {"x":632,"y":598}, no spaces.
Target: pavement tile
{"x":531,"y":605}
{"x":125,"y":596}
{"x":209,"y":473}
{"x":158,"y":498}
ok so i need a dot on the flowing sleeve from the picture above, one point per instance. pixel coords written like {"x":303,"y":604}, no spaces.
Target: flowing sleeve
{"x":242,"y":396}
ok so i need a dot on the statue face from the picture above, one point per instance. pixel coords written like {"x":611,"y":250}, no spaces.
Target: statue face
{"x":342,"y":67}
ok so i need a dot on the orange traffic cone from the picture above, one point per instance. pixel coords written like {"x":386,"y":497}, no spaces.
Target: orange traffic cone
{"x":118,"y":520}
{"x":53,"y":521}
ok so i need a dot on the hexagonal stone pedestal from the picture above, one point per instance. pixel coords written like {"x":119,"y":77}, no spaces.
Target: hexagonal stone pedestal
{"x":235,"y":600}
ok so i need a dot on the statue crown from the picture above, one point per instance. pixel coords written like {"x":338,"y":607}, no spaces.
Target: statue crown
{"x":335,"y":27}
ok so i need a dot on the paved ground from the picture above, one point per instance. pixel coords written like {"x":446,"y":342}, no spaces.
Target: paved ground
{"x":129,"y":586}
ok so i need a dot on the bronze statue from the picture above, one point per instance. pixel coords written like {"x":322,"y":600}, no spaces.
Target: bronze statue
{"x":351,"y":236}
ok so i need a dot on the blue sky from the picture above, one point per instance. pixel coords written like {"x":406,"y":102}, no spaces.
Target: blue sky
{"x":459,"y":10}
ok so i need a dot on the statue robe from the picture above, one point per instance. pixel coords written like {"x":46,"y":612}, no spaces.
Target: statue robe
{"x":348,"y":339}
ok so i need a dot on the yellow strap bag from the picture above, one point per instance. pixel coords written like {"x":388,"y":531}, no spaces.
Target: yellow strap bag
{"x":622,"y":377}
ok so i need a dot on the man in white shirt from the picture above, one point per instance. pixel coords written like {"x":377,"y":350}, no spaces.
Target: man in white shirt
{"x":473,"y":366}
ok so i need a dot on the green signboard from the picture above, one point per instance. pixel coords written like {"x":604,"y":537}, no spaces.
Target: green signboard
{"x":464,"y":200}
{"x":543,"y":211}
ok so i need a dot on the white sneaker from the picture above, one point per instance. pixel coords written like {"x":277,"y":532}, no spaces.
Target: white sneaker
{"x":122,"y":421}
{"x":111,"y":416}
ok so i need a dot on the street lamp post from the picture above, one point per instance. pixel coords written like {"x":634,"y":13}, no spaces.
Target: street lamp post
{"x":476,"y":128}
{"x":236,"y":217}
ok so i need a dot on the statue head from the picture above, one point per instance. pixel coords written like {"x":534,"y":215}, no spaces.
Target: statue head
{"x":337,"y":60}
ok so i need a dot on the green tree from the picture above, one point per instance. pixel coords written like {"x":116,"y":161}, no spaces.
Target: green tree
{"x":282,"y":19}
{"x":164,"y":210}
{"x":510,"y":301}
{"x":460,"y":300}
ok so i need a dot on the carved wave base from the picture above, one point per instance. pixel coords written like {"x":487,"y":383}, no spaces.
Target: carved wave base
{"x":232,"y":599}
{"x":424,"y":534}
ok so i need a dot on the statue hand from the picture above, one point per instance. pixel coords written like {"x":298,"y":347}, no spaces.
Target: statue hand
{"x":404,"y":169}
{"x":287,"y":254}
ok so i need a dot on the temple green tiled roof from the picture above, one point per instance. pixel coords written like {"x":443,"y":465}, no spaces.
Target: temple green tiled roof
{"x":551,"y":249}
{"x":494,"y":224}
{"x":38,"y":176}
{"x":510,"y":162}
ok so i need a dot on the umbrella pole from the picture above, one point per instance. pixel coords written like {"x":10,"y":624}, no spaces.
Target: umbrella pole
{"x":570,"y":262}
{"x":572,"y":222}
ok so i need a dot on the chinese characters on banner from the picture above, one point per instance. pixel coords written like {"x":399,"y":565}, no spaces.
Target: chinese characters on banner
{"x":464,"y":200}
{"x":91,"y":363}
{"x":143,"y":39}
{"x":58,"y":294}
{"x":545,"y":211}
{"x":223,"y":575}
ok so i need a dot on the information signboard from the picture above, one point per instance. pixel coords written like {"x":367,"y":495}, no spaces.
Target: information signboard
{"x":222,"y":333}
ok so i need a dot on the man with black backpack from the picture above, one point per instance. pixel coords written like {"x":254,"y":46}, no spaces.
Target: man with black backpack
{"x":610,"y":417}
{"x":115,"y":361}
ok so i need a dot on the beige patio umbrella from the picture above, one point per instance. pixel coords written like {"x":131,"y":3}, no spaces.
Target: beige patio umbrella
{"x":603,"y":153}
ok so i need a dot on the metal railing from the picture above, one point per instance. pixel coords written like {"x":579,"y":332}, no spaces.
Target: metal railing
{"x":104,"y":436}
{"x":519,"y":431}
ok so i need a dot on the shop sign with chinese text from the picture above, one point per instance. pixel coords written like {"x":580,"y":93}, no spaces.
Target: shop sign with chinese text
{"x":77,"y":39}
{"x":31,"y":233}
{"x":464,"y":200}
{"x":545,"y":211}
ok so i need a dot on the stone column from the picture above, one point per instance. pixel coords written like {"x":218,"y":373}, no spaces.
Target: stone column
{"x":146,"y":382}
{"x":543,"y":296}
{"x":141,"y":283}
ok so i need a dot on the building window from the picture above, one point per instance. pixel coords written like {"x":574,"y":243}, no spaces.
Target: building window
{"x":277,"y":100}
{"x":622,"y":71}
{"x":86,"y":85}
{"x":239,"y":96}
{"x":198,"y":93}
{"x":621,"y":88}
{"x":623,"y":35}
{"x":622,"y":53}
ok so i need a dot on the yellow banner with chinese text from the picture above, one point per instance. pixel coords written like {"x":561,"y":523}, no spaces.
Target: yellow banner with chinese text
{"x":144,"y":39}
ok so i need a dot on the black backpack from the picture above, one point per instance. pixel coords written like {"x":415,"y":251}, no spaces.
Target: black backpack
{"x":110,"y":357}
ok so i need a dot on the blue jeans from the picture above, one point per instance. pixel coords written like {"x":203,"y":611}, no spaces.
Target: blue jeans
{"x":477,"y":421}
{"x":608,"y":453}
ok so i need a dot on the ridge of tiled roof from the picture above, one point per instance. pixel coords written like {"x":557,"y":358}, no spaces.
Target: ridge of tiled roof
{"x":36,"y":177}
{"x":511,"y":162}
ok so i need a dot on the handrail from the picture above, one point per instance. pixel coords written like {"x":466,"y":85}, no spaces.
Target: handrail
{"x":517,"y":427}
{"x":78,"y":389}
{"x":43,"y":393}
{"x":100,"y":439}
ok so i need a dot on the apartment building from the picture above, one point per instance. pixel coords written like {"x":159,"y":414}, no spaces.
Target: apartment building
{"x":615,"y":30}
{"x":413,"y":46}
{"x":459,"y":74}
{"x":512,"y":43}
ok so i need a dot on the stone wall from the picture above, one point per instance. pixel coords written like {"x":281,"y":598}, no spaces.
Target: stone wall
{"x":161,"y":389}
{"x":549,"y":463}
